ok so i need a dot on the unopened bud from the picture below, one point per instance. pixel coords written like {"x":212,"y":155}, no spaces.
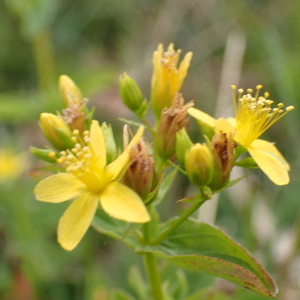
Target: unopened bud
{"x":130,"y":93}
{"x":139,"y":175}
{"x":43,"y":154}
{"x":199,"y":165}
{"x":111,"y":148}
{"x":223,"y":159}
{"x":69,"y":92}
{"x":56,"y":131}
{"x":183,"y":144}
{"x":171,"y":121}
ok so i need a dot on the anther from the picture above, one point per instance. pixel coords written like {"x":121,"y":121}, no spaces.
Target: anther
{"x":289,"y":108}
{"x":51,"y":154}
{"x":60,"y":160}
{"x":267,"y":95}
{"x":63,"y":153}
{"x":86,"y":133}
{"x":74,"y":139}
{"x":233,"y":87}
{"x":241,"y":91}
{"x":76,"y":132}
{"x":249,"y":91}
{"x":258,"y":87}
{"x":280,"y":104}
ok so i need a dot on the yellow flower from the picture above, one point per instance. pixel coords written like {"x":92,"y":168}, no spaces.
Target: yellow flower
{"x":11,"y":165}
{"x":89,"y":178}
{"x":166,"y":78}
{"x":254,"y":116}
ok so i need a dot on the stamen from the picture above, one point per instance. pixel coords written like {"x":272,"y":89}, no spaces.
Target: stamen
{"x":254,"y":115}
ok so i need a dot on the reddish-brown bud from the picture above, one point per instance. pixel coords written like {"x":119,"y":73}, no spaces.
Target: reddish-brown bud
{"x":139,"y":175}
{"x":223,"y":158}
{"x":171,"y":121}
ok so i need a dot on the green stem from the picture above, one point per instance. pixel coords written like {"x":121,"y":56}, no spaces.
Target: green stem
{"x":151,"y":267}
{"x":175,"y":224}
{"x":45,"y":62}
{"x":148,"y":126}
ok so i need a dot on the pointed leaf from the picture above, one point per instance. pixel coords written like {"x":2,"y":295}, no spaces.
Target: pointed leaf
{"x":204,"y":248}
{"x":229,"y":184}
{"x":247,"y":162}
{"x":130,"y":228}
{"x":164,"y":187}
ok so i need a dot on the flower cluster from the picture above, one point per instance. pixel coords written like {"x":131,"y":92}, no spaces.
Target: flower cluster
{"x":90,"y":170}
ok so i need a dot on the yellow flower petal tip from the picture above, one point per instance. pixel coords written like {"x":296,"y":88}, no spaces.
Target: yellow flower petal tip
{"x":122,"y":203}
{"x":76,"y":220}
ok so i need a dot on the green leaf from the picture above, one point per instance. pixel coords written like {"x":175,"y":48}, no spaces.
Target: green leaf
{"x":136,"y":281}
{"x":229,"y":184}
{"x":119,"y":294}
{"x":130,"y":122}
{"x":130,"y":229}
{"x":114,"y":228}
{"x":247,"y":162}
{"x":207,"y":294}
{"x":164,"y":187}
{"x":204,"y":248}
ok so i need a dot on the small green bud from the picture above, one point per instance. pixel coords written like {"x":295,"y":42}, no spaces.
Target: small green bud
{"x":183,"y":144}
{"x":130,"y":93}
{"x":111,"y":148}
{"x":69,"y":92}
{"x":43,"y":154}
{"x":199,"y":164}
{"x":56,"y":131}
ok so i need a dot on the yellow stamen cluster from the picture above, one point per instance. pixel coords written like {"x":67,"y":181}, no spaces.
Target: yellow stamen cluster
{"x":81,"y":162}
{"x":254,"y":114}
{"x":170,"y":60}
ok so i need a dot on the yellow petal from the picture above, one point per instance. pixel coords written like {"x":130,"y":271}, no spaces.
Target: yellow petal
{"x":122,"y":203}
{"x":272,"y":165}
{"x":114,"y":169}
{"x":97,"y":143}
{"x":201,"y":116}
{"x":222,"y":125}
{"x":232,"y":121}
{"x":76,"y":220}
{"x":271,"y":148}
{"x":182,"y":71}
{"x":58,"y":188}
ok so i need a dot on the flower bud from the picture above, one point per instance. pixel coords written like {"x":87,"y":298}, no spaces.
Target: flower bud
{"x":223,"y":160}
{"x":111,"y":148}
{"x":130,"y":92}
{"x":171,"y":121}
{"x":69,"y":92}
{"x":56,"y":131}
{"x":166,"y":78}
{"x":43,"y":154}
{"x":139,"y":175}
{"x":183,"y":144}
{"x":199,"y":164}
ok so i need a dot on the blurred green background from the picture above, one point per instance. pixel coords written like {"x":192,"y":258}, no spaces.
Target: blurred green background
{"x":245,"y":43}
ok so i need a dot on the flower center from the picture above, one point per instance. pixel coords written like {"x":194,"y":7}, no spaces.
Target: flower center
{"x":81,"y":162}
{"x":254,"y":114}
